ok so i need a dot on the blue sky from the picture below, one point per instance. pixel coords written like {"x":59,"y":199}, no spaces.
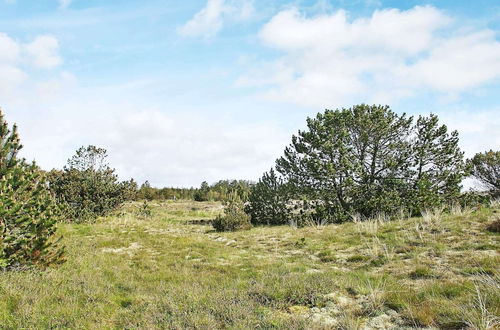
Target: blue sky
{"x":185,"y":91}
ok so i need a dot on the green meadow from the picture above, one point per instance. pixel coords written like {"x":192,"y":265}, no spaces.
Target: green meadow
{"x":172,"y":270}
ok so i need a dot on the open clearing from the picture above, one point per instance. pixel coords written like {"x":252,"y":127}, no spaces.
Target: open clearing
{"x":168,"y":271}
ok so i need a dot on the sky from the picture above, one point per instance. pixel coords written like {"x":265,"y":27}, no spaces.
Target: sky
{"x":180,"y":92}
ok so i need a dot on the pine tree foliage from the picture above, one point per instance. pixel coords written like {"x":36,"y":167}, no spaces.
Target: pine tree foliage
{"x":368,"y":160}
{"x":222,"y":189}
{"x":202,"y":194}
{"x":146,"y":191}
{"x":485,"y":167}
{"x":438,"y":164}
{"x":88,"y":186}
{"x":268,"y":200}
{"x":28,"y":212}
{"x":144,"y":211}
{"x":378,"y":143}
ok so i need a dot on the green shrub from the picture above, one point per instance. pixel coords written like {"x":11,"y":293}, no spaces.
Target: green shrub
{"x":28,"y":212}
{"x":474,"y":199}
{"x":88,"y":186}
{"x":268,"y":201}
{"x":234,"y":217}
{"x":144,"y":211}
{"x":201,"y":195}
{"x":146,"y":191}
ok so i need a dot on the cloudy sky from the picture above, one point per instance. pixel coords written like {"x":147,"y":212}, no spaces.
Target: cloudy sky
{"x":184,"y":91}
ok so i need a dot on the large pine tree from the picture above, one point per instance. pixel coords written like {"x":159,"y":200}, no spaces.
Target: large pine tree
{"x":28,"y":212}
{"x":369,"y":160}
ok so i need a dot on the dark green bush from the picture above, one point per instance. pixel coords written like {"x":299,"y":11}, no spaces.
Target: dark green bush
{"x":88,"y":187}
{"x":268,"y":201}
{"x":201,"y":195}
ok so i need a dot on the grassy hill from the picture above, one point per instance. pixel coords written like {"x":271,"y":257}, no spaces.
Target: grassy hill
{"x":173,"y":271}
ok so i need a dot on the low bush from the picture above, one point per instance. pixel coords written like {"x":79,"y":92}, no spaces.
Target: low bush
{"x":494,"y":227}
{"x":234,"y":217}
{"x":474,"y":199}
{"x":144,"y":211}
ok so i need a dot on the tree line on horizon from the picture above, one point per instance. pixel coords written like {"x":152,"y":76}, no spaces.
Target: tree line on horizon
{"x":218,"y":191}
{"x":364,"y":160}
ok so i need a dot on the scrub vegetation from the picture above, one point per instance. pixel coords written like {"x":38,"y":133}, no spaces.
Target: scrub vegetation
{"x":172,"y":270}
{"x":362,"y":224}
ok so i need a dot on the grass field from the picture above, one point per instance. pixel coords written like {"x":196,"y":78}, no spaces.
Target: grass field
{"x":167,"y":271}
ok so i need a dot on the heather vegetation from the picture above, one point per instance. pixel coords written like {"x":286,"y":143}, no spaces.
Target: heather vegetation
{"x":361,"y":224}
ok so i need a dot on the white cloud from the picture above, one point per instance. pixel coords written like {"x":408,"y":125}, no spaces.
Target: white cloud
{"x":43,"y":51}
{"x":166,"y":149}
{"x":63,"y":4}
{"x":210,"y":20}
{"x":326,"y":60}
{"x":17,"y":61}
{"x":53,"y":88}
{"x":289,"y":30}
{"x":11,"y":75}
{"x":330,"y":60}
{"x":55,"y":116}
{"x":460,"y":63}
{"x":479,"y":130}
{"x":11,"y":78}
{"x":149,"y":143}
{"x":9,"y":49}
{"x":183,"y":150}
